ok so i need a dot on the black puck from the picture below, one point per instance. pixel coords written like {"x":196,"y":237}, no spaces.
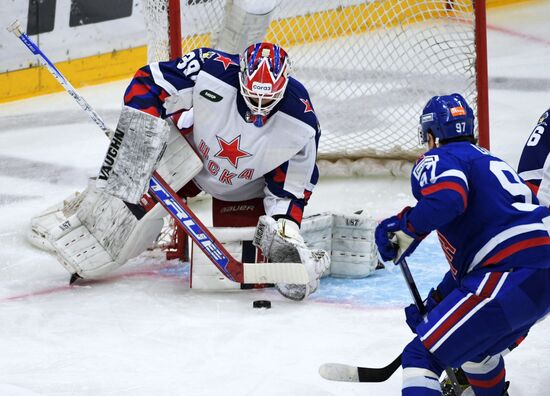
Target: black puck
{"x":261,"y":304}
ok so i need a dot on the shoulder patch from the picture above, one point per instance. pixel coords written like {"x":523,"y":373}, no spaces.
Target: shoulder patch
{"x":481,"y":149}
{"x":226,"y":61}
{"x":307,"y":105}
{"x":543,"y":118}
{"x":208,"y":54}
{"x":425,"y":164}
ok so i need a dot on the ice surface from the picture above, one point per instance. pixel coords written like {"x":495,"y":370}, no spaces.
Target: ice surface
{"x":142,"y":331}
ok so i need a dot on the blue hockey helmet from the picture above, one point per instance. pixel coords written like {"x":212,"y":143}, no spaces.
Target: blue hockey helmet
{"x":446,"y":117}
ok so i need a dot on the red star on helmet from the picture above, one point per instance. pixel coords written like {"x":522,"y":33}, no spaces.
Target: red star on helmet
{"x":231,"y":151}
{"x":225,"y":60}
{"x":308,"y":105}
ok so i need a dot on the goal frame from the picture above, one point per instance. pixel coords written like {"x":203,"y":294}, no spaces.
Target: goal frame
{"x":482,"y":86}
{"x":178,"y":247}
{"x":482,"y":76}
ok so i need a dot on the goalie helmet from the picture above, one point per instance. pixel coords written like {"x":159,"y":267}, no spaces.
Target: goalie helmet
{"x":263,"y":77}
{"x":446,"y":117}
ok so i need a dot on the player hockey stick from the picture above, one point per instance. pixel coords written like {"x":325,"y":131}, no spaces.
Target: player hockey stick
{"x":15,"y":28}
{"x":455,"y":384}
{"x":233,"y":269}
{"x":349,"y":373}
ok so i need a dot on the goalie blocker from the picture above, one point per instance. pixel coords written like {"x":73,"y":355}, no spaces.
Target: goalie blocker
{"x":133,"y":155}
{"x":93,"y":233}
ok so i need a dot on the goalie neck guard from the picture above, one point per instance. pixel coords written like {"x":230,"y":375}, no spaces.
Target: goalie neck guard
{"x":446,"y":117}
{"x":263,"y":77}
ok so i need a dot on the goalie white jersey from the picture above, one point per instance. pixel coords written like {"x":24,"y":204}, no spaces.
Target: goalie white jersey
{"x":240,"y":160}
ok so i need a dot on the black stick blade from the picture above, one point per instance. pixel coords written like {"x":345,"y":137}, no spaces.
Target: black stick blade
{"x":379,"y":374}
{"x":347,"y":373}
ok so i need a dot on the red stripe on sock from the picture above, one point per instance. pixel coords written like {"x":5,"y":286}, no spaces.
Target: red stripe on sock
{"x":489,"y":383}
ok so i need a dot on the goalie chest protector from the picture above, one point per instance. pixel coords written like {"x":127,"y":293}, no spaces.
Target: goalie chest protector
{"x":235,"y":153}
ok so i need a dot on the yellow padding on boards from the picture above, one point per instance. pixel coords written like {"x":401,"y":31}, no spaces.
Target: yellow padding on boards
{"x":117,"y":65}
{"x":92,"y":70}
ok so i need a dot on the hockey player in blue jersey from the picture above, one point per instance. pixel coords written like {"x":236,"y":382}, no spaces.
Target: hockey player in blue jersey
{"x":496,"y":239}
{"x":534,"y":164}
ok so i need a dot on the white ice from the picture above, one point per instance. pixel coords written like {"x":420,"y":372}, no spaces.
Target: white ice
{"x":144,"y":332}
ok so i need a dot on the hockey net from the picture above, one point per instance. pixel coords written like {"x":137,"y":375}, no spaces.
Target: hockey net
{"x":369,"y":66}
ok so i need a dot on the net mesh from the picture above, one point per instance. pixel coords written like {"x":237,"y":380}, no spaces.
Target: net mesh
{"x":370,"y":66}
{"x":157,"y":27}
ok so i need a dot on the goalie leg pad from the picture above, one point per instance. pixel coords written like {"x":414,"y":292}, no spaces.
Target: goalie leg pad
{"x":51,"y":223}
{"x":245,"y":22}
{"x":133,"y":155}
{"x":353,"y":252}
{"x":106,"y":235}
{"x":179,"y":163}
{"x":101,"y":215}
{"x":348,"y":238}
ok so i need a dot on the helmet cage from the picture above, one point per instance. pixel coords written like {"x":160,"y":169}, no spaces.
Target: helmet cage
{"x":263,"y":77}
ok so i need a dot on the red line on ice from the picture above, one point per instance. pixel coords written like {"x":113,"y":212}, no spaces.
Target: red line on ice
{"x":514,"y":33}
{"x":152,"y":272}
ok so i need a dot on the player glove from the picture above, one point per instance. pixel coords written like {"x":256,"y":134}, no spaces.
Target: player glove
{"x":413,"y":315}
{"x":395,"y":238}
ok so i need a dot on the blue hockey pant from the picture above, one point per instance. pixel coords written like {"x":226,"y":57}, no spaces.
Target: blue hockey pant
{"x":472,"y":326}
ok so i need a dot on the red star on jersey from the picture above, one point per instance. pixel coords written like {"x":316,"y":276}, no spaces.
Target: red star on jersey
{"x":308,"y":106}
{"x":226,"y":61}
{"x":231,"y":151}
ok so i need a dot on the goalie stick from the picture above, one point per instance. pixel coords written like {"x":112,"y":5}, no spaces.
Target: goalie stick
{"x":349,"y":373}
{"x":233,"y":269}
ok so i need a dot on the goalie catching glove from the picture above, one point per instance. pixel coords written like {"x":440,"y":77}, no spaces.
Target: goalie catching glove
{"x":396,"y":238}
{"x":281,"y":242}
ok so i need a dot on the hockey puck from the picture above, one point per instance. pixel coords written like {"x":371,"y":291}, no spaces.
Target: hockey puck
{"x":262,"y":304}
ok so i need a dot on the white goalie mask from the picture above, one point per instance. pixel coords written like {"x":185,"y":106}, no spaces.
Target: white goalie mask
{"x":263,"y":77}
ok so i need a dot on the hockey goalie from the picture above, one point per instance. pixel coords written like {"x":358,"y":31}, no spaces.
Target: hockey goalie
{"x":236,"y":127}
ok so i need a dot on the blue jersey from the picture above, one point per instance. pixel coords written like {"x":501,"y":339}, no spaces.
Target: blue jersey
{"x":534,"y":164}
{"x":241,"y":161}
{"x":486,"y":217}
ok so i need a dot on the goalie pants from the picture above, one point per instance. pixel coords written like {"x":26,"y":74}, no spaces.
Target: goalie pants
{"x":229,"y":214}
{"x":233,"y":214}
{"x":472,"y":326}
